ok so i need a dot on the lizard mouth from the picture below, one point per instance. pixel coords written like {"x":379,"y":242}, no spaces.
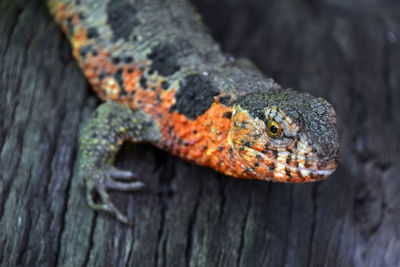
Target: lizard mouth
{"x":284,"y":172}
{"x":299,"y":169}
{"x":316,"y":174}
{"x":315,"y":169}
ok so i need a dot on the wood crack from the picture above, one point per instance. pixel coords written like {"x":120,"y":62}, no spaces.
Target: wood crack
{"x":313,"y":224}
{"x":242,"y":232}
{"x":64,"y":210}
{"x":192,"y":221}
{"x":91,"y":241}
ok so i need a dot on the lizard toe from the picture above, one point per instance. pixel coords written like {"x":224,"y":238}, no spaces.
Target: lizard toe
{"x":97,"y":184}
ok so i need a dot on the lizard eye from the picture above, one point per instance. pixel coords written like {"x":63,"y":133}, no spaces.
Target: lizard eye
{"x":274,"y":129}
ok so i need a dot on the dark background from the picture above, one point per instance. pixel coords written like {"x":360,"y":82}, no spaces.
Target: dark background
{"x":345,"y":51}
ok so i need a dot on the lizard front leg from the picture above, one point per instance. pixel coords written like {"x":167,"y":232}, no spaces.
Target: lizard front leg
{"x":100,"y":141}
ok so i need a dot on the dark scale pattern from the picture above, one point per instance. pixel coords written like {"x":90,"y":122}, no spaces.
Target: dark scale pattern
{"x":70,"y":26}
{"x":102,"y":75}
{"x":143,"y":82}
{"x":84,"y":50}
{"x":226,"y":100}
{"x":92,"y":32}
{"x":287,"y":171}
{"x":164,"y":85}
{"x":227,"y":115}
{"x":164,"y":59}
{"x":128,"y":59}
{"x":272,"y":166}
{"x":116,"y":60}
{"x":121,"y":16}
{"x":194,"y":97}
{"x":119,"y":76}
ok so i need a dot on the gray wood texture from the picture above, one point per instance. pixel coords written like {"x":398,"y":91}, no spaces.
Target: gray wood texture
{"x":345,"y":51}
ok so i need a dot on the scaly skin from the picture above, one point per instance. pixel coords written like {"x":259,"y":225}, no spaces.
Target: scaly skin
{"x":177,"y":90}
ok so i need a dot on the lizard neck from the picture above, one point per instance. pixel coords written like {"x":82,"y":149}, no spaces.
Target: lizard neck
{"x":203,"y":140}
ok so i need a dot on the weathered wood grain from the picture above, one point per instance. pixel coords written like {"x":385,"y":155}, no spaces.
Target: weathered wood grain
{"x":345,"y":51}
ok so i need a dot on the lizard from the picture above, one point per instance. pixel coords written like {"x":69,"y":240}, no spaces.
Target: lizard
{"x":165,"y":81}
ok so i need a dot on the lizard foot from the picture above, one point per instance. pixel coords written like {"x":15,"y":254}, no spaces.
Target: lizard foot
{"x":98,"y":181}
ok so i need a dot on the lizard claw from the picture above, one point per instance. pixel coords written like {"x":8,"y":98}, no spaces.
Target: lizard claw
{"x":98,"y":181}
{"x":122,"y":174}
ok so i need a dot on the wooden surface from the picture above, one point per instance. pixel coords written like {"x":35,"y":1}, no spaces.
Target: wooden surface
{"x":345,"y":51}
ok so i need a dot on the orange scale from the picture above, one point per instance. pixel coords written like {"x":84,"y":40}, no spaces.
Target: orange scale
{"x":239,"y":167}
{"x":185,"y":132}
{"x":79,"y":38}
{"x":148,"y":108}
{"x":258,"y":146}
{"x":294,"y":175}
{"x":291,"y":146}
{"x":216,"y":161}
{"x":168,"y":98}
{"x":297,"y":180}
{"x":152,"y":95}
{"x":75,"y":21}
{"x":279,"y":175}
{"x":263,"y":169}
{"x":195,"y":154}
{"x":300,"y":161}
{"x":132,"y":77}
{"x":89,"y":73}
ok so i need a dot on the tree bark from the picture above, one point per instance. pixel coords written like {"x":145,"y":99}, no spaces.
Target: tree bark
{"x":345,"y":51}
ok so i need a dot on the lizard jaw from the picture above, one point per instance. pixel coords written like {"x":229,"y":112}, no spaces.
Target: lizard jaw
{"x":298,"y":169}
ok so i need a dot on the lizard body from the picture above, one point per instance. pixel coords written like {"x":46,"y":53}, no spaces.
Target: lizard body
{"x":166,"y":82}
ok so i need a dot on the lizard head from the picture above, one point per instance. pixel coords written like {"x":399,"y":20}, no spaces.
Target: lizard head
{"x":285,"y":136}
